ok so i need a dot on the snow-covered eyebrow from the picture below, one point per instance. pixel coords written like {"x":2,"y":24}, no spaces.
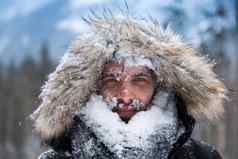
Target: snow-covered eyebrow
{"x":145,"y":72}
{"x":106,"y":74}
{"x":142,"y":74}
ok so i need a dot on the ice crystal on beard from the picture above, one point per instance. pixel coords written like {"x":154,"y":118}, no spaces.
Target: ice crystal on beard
{"x":137,"y":104}
{"x":113,"y":104}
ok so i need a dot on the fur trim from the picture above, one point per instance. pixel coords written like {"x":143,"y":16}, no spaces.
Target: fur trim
{"x":75,"y":79}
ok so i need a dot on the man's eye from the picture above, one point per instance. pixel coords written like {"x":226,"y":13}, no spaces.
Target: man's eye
{"x":107,"y":81}
{"x":111,"y":80}
{"x":140,"y":78}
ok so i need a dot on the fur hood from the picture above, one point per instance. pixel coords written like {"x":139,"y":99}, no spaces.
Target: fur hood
{"x":75,"y":79}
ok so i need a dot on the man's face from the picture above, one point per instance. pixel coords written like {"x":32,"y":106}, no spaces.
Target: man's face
{"x":132,"y":87}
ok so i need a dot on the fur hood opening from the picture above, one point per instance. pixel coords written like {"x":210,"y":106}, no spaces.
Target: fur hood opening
{"x":181,"y":67}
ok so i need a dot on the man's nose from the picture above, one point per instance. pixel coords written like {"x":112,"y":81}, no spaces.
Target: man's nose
{"x":125,"y":94}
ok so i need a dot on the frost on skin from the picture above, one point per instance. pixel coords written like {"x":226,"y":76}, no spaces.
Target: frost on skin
{"x":128,"y":84}
{"x":146,"y":132}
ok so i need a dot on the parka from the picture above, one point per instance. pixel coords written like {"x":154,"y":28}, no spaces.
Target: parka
{"x":182,"y":68}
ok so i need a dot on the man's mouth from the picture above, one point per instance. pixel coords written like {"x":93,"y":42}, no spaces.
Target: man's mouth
{"x":124,"y":108}
{"x":125,"y":112}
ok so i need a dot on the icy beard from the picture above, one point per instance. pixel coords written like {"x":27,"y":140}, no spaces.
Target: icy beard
{"x":114,"y":104}
{"x":149,"y":134}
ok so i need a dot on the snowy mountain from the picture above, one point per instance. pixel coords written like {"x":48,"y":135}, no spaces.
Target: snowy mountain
{"x":25,"y":24}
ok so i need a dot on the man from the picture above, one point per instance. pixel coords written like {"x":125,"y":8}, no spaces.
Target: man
{"x":128,"y":90}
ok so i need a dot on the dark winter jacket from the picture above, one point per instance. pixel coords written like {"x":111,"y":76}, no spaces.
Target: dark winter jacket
{"x":177,"y":65}
{"x":184,"y":148}
{"x":191,"y":150}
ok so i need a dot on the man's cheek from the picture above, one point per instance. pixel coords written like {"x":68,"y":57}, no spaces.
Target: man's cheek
{"x":109,"y":94}
{"x":146,"y":99}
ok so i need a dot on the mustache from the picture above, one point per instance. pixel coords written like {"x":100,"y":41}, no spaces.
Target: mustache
{"x":115,"y":104}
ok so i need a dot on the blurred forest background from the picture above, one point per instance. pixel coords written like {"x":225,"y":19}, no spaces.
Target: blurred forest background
{"x":215,"y":34}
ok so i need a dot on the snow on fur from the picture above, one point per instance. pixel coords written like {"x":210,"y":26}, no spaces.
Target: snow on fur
{"x":130,"y":60}
{"x":177,"y":65}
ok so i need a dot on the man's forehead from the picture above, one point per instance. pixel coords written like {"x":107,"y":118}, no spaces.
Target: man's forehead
{"x":120,"y":67}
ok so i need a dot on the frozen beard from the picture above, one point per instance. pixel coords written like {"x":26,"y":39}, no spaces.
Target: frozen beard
{"x":114,"y":104}
{"x":149,"y":134}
